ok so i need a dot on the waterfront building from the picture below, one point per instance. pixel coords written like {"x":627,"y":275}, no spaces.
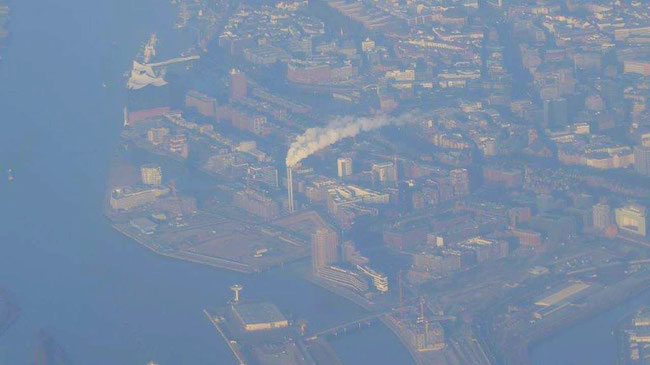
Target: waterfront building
{"x":632,"y":219}
{"x":259,"y":316}
{"x":379,"y":280}
{"x":426,"y":336}
{"x":344,"y":165}
{"x":324,"y":248}
{"x":126,"y":198}
{"x":344,"y":277}
{"x":151,"y":175}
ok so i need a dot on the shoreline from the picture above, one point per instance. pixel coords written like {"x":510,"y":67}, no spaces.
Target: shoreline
{"x":216,"y":262}
{"x":562,"y":324}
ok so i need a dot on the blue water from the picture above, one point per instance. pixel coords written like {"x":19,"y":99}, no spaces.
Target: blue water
{"x":588,"y":342}
{"x":103,"y":298}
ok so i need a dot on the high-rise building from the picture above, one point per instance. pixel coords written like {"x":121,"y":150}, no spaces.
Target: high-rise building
{"x":151,"y":175}
{"x":602,"y":216}
{"x":324,"y":248}
{"x":460,"y":181}
{"x":344,"y":165}
{"x":642,"y":160}
{"x":237,"y":85}
{"x":385,"y":172}
{"x":632,"y":219}
{"x":556,"y":113}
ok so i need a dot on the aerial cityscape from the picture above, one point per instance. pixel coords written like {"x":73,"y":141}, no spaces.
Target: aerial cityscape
{"x":330,"y":182}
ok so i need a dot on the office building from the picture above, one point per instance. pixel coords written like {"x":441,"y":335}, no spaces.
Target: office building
{"x":602,"y":216}
{"x":151,"y":175}
{"x":632,"y":219}
{"x":344,"y":165}
{"x":238,"y":88}
{"x":642,"y":160}
{"x":460,"y":181}
{"x":379,"y":280}
{"x":385,"y":172}
{"x":345,"y":277}
{"x":556,"y":113}
{"x":324,"y":248}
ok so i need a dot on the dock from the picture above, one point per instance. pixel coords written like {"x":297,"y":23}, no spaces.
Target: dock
{"x":234,"y":347}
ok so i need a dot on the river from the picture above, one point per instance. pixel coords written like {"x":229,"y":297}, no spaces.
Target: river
{"x":103,"y":298}
{"x":588,"y":342}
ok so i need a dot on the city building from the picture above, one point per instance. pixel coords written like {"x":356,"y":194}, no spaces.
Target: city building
{"x":426,"y":335}
{"x":238,"y":87}
{"x":127,"y":198}
{"x":178,"y":145}
{"x":460,"y":181}
{"x":157,"y":136}
{"x":204,"y":105}
{"x":632,"y":219}
{"x":503,"y":177}
{"x":345,"y":277}
{"x":324,"y":248}
{"x":351,"y":255}
{"x":385,"y":172}
{"x":259,"y":316}
{"x":151,"y":175}
{"x":344,"y":166}
{"x":256,"y":203}
{"x":602,"y":216}
{"x":379,"y":280}
{"x":642,"y":160}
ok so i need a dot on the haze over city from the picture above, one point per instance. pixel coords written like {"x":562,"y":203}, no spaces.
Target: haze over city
{"x":325,"y":182}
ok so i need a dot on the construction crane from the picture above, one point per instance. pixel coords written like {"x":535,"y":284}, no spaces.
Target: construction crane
{"x":172,"y":187}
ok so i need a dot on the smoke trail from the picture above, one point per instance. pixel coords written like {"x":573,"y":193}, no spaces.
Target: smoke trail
{"x":315,"y":139}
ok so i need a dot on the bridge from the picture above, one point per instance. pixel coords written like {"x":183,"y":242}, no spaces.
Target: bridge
{"x":366,"y":320}
{"x":611,"y":264}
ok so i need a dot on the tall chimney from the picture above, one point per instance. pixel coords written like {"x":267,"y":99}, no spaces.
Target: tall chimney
{"x":292,"y":207}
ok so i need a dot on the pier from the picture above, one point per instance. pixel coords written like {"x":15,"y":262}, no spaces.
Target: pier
{"x":234,"y":348}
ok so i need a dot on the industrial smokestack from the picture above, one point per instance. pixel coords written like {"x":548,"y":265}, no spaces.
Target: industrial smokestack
{"x":317,"y":138}
{"x":292,"y":207}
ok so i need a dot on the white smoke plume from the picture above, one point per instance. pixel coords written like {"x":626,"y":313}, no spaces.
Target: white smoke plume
{"x":317,"y":138}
